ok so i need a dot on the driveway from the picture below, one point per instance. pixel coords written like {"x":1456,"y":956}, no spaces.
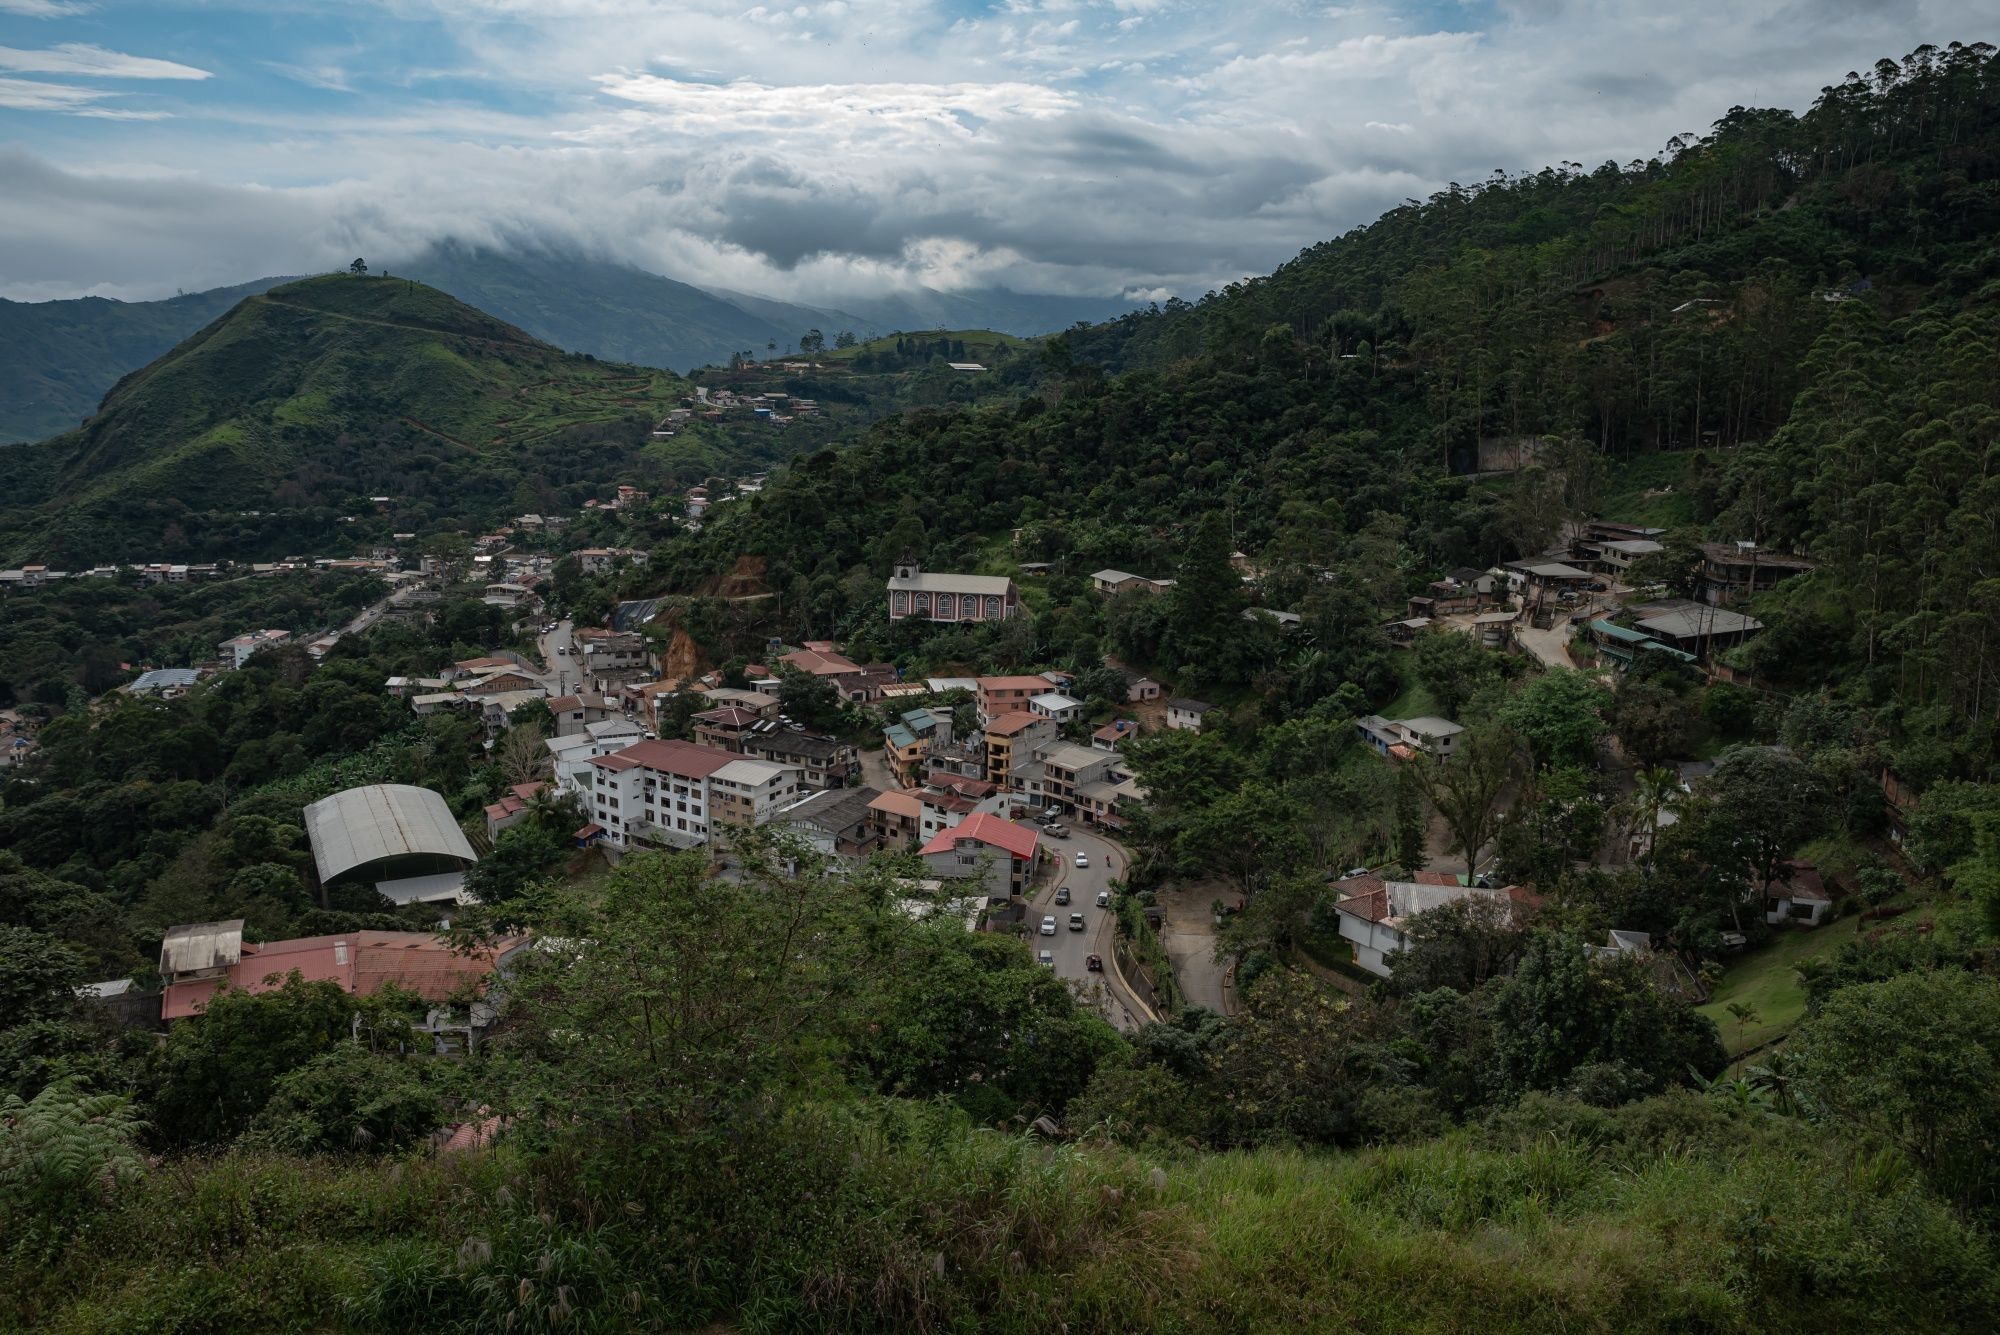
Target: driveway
{"x":1547,"y":647}
{"x":875,"y":771}
{"x":1187,"y":933}
{"x":1100,"y":991}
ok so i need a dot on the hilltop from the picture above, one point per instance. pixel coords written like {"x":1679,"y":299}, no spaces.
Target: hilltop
{"x":305,"y":397}
{"x":59,"y":358}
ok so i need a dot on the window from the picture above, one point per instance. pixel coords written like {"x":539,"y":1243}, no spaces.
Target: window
{"x":340,"y":952}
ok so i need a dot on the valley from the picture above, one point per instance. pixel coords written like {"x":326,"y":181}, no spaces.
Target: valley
{"x":1451,"y":785}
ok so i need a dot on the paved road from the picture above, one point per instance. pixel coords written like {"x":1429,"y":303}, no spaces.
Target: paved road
{"x":563,"y":674}
{"x":1098,"y":990}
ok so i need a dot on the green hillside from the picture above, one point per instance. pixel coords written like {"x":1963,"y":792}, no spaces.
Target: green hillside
{"x":317,"y":393}
{"x":960,"y":345}
{"x":57,"y":358}
{"x":611,"y":310}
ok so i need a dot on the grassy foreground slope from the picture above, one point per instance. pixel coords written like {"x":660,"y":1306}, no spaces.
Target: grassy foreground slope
{"x":320,"y":392}
{"x":1674,"y":1214}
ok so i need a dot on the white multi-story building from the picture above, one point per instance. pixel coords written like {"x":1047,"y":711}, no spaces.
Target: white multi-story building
{"x":236,"y":652}
{"x":675,"y":794}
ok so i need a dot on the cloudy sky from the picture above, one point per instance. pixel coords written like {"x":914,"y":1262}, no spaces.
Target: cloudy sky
{"x":830,"y":146}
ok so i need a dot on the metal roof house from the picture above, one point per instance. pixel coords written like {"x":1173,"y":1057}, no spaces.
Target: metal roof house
{"x":400,"y":837}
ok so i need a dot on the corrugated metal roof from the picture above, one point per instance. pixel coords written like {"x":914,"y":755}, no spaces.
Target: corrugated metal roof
{"x":382,"y":820}
{"x":201,"y":945}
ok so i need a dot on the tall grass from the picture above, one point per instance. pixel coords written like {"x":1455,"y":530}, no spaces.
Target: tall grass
{"x":1673,"y":1215}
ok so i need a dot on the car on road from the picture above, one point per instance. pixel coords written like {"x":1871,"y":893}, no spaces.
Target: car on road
{"x":1083,"y":859}
{"x":1049,"y":925}
{"x":1057,"y":830}
{"x":1062,"y":894}
{"x":1076,"y":922}
{"x":1094,"y":963}
{"x":1104,"y":899}
{"x":1046,"y":959}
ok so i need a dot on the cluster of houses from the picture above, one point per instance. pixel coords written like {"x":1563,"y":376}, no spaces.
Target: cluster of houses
{"x":776,"y":407}
{"x":169,"y":572}
{"x":1491,"y":604}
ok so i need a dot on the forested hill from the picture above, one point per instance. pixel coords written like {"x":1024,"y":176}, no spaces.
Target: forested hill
{"x":1663,"y":302}
{"x":309,"y":398}
{"x":1800,"y":307}
{"x":58,"y":357}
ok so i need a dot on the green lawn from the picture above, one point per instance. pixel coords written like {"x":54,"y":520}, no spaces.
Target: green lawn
{"x":1764,"y":979}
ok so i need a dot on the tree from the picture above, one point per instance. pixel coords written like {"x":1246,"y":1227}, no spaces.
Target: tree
{"x":1411,"y":854}
{"x":1656,"y":793}
{"x":1559,"y":715}
{"x":1305,"y":1061}
{"x":807,"y":699}
{"x":1465,"y":788}
{"x":1652,"y":723}
{"x":522,"y":756}
{"x":1915,"y":1058}
{"x":1201,"y":608}
{"x":523,"y":854}
{"x":1978,"y":877}
{"x":359,"y":266}
{"x":844,"y":339}
{"x":38,"y":977}
{"x":812,"y":342}
{"x":1771,"y":801}
{"x":1458,"y":945}
{"x":450,"y":555}
{"x":218,"y":1072}
{"x":1452,"y":667}
{"x":1252,"y":836}
{"x":349,"y":1098}
{"x":1560,"y":1011}
{"x":700,"y":1003}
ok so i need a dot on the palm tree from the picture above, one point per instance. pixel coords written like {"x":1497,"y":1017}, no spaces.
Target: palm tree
{"x":1659,"y":788}
{"x":1745,"y":1015}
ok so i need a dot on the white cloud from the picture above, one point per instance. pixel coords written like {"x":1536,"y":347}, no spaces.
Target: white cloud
{"x":45,"y":9}
{"x":33,"y":95}
{"x":810,"y":149}
{"x":82,"y":58}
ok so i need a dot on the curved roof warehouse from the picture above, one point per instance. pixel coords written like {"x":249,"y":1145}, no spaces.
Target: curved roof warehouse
{"x":401,"y":836}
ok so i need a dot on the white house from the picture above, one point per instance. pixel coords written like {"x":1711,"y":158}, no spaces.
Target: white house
{"x":236,"y":652}
{"x":1796,"y":895}
{"x":1055,"y":705}
{"x":1185,"y":713}
{"x":1372,"y":911}
{"x":1429,"y":734}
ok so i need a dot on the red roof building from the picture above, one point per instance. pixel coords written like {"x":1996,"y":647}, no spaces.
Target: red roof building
{"x":362,"y":963}
{"x":986,"y":848}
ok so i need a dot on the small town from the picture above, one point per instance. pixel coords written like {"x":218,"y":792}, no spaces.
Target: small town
{"x":1027,"y":667}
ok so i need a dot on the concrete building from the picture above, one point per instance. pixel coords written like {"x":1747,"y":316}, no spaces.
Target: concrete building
{"x":997,"y":855}
{"x":673,"y":794}
{"x":942,"y":597}
{"x":236,"y":652}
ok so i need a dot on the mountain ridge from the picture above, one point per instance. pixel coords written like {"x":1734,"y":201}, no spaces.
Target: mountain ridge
{"x":260,"y":427}
{"x":59,"y":359}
